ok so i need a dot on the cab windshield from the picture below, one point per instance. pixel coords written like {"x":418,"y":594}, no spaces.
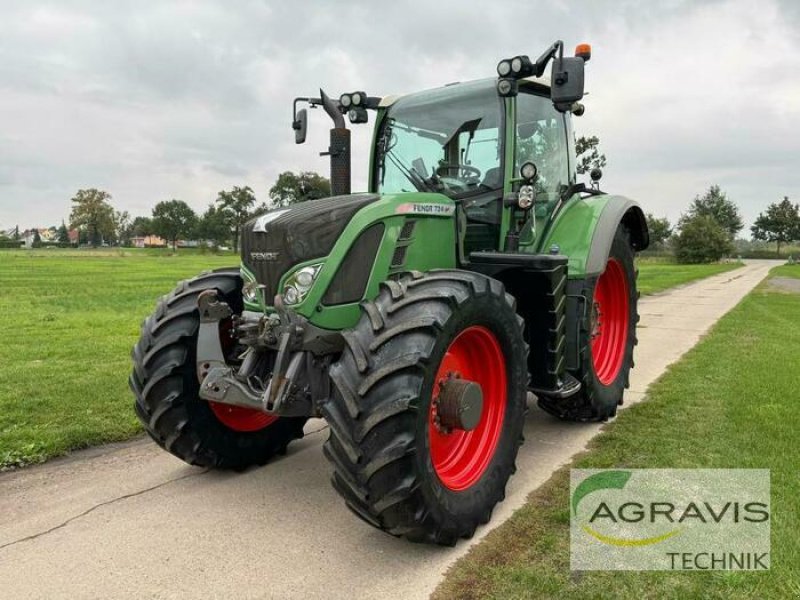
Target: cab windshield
{"x":446,"y":140}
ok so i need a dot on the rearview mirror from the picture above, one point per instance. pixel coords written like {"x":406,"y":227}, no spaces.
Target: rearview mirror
{"x":300,"y":125}
{"x":566,"y":82}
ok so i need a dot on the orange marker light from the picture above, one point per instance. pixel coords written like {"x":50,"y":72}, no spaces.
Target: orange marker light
{"x":583,"y":51}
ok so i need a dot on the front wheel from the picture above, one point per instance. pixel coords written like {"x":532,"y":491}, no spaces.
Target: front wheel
{"x":607,"y":336}
{"x":428,"y":406}
{"x":165,"y":384}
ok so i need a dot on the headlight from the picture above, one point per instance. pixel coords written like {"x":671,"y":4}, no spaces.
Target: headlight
{"x":345,"y":100}
{"x":504,"y":68}
{"x":526,"y":197}
{"x":250,"y":292}
{"x":299,"y":283}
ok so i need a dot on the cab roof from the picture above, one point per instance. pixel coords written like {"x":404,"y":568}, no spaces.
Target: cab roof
{"x":386,"y":101}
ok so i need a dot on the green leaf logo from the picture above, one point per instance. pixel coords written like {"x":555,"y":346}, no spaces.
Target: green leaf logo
{"x":614,"y":480}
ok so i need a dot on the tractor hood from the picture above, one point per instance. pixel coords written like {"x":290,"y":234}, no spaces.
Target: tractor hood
{"x":275,"y":241}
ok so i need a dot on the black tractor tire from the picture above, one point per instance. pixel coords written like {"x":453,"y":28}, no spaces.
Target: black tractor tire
{"x":381,"y":407}
{"x":598,"y":400}
{"x":166,"y":387}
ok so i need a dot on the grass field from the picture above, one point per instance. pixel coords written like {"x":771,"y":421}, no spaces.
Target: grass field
{"x":69,"y":320}
{"x":658,"y":274}
{"x":730,"y":402}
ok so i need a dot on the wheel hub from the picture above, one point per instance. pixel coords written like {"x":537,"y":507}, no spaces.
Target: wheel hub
{"x":459,"y":405}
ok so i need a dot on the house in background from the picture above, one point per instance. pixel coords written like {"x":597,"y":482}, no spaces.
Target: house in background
{"x":148,"y":241}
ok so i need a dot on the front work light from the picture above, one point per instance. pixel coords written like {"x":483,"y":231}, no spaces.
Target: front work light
{"x":528,"y":170}
{"x":504,"y":68}
{"x":516,"y":68}
{"x":507,"y":87}
{"x":521,"y":66}
{"x":345,"y":100}
{"x":358,"y":114}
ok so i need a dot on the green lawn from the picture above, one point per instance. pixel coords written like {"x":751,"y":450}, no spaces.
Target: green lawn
{"x":730,"y":402}
{"x":69,"y":320}
{"x":657,"y":275}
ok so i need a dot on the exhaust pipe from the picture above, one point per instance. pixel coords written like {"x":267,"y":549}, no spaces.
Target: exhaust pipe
{"x":339,"y":149}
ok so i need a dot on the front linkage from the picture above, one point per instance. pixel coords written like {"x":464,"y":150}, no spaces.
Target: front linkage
{"x":301,"y":353}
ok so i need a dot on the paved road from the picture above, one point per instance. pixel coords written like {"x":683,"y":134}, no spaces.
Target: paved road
{"x":129,"y":520}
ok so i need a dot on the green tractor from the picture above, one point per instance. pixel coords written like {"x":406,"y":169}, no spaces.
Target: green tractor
{"x":415,"y":317}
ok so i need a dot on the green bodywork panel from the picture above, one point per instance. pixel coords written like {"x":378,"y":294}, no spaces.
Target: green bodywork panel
{"x":583,"y":231}
{"x":432,"y":246}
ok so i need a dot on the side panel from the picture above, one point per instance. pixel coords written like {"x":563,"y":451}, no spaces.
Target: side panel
{"x":584,"y":228}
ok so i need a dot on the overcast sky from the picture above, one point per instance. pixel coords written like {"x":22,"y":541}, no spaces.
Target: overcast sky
{"x":159,"y":100}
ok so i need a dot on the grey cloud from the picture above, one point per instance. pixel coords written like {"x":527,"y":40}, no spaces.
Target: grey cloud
{"x":156,"y":100}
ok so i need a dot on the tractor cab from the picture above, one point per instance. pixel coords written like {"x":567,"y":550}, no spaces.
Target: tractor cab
{"x":468,"y":142}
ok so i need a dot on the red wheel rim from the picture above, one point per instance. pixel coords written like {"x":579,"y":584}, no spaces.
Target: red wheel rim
{"x":610,"y":322}
{"x":241,"y":419}
{"x":460,"y":457}
{"x":237,"y":418}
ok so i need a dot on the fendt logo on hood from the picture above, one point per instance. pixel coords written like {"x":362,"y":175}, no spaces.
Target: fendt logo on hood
{"x":264,"y":256}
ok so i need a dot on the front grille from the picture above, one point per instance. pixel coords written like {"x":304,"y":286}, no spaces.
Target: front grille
{"x":308,"y":230}
{"x":350,"y":281}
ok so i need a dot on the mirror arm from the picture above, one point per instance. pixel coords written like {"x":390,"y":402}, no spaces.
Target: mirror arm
{"x":541,"y":63}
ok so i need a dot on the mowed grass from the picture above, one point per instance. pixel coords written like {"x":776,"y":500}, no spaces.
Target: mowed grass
{"x":657,"y":274}
{"x":731,"y":402}
{"x":68,"y":320}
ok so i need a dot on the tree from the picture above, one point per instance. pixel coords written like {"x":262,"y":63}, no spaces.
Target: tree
{"x":63,"y":233}
{"x":779,"y":223}
{"x":123,"y":227}
{"x":291,"y":188}
{"x":37,"y":239}
{"x":715,"y":204}
{"x":215,"y":225}
{"x":16,"y":233}
{"x":142,"y":226}
{"x":172,"y":219}
{"x":93,"y":213}
{"x":702,"y":240}
{"x":588,"y":154}
{"x":660,"y":230}
{"x":237,"y":203}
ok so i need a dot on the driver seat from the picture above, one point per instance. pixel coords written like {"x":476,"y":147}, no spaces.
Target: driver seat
{"x":492,"y":178}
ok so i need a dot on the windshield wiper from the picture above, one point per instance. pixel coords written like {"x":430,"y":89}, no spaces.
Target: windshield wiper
{"x":411,"y":174}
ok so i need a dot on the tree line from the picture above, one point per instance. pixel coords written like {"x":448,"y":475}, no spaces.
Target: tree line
{"x":93,"y":215}
{"x":707,"y":231}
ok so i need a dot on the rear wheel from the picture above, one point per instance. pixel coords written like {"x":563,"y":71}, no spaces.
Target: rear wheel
{"x":428,"y":405}
{"x":164,"y":382}
{"x":607,"y":338}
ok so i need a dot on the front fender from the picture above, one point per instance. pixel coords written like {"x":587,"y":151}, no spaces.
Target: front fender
{"x":584,"y":230}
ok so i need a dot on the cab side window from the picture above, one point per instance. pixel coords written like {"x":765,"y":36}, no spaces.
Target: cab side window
{"x":541,"y":138}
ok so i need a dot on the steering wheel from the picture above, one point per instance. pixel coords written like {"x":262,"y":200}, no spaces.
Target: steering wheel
{"x":462,"y":171}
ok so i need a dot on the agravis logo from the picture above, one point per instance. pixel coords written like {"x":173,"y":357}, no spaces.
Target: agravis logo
{"x":612,"y":480}
{"x":670,"y":518}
